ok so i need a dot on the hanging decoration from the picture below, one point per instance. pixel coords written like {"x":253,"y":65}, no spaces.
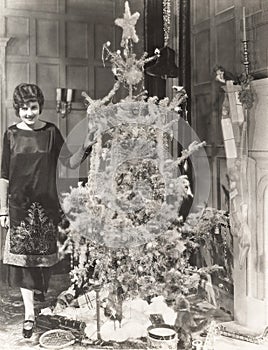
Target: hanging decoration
{"x":166,"y":21}
{"x":165,"y":66}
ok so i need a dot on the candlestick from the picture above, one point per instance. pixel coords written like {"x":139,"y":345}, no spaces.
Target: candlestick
{"x":245,"y":42}
{"x":69,"y":95}
{"x":245,"y":54}
{"x":58,"y":95}
{"x":244,"y":25}
{"x":62,"y":107}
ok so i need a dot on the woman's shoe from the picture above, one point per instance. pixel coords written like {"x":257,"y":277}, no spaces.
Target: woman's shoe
{"x":39,"y":297}
{"x":27,"y":330}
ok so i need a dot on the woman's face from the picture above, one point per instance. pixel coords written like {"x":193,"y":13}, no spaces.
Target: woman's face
{"x":29,"y":113}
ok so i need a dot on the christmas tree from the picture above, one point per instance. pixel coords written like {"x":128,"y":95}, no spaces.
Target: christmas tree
{"x":126,"y":231}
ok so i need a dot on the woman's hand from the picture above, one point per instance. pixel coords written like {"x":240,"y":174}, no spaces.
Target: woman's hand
{"x":90,"y":138}
{"x":4,"y":221}
{"x":80,"y":155}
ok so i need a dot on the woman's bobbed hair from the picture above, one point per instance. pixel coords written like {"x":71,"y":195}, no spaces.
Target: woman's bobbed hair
{"x":25,"y":93}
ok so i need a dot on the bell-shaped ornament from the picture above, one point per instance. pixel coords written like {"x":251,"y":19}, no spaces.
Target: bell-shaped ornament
{"x":165,"y":66}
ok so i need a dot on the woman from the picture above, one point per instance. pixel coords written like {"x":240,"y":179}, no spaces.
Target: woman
{"x":28,"y":195}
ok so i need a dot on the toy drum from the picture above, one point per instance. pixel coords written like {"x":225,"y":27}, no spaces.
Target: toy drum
{"x":162,"y":336}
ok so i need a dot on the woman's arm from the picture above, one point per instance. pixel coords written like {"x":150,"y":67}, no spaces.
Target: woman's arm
{"x":4,"y":181}
{"x":81,"y":154}
{"x":74,"y":160}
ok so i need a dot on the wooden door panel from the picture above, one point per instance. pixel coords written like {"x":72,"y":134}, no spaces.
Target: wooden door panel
{"x":104,"y":80}
{"x":34,"y":5}
{"x":47,"y":38}
{"x":18,"y":28}
{"x":47,"y":77}
{"x":77,"y":77}
{"x":203,"y":122}
{"x":254,"y":6}
{"x":77,"y":40}
{"x":200,"y":10}
{"x":260,"y":50}
{"x":104,"y":8}
{"x":225,"y":37}
{"x":201,"y":49}
{"x":102,"y":34}
{"x":223,"y":5}
{"x":16,"y":72}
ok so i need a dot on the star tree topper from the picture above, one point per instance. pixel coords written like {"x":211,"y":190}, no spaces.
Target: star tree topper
{"x":128,"y":25}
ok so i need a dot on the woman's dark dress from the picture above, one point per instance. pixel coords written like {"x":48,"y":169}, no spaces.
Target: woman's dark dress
{"x":29,"y":162}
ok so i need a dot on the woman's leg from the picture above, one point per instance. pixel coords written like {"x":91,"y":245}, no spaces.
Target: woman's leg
{"x":28,"y":300}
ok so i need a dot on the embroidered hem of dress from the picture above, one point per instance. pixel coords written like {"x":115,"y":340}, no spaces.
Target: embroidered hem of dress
{"x":27,"y":260}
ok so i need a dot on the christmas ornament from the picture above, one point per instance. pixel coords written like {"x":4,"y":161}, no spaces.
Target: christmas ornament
{"x":128,"y":26}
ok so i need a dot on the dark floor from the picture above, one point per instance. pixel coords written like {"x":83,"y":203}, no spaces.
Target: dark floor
{"x":12,"y":310}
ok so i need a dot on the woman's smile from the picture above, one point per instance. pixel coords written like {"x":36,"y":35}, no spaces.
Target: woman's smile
{"x":29,"y":113}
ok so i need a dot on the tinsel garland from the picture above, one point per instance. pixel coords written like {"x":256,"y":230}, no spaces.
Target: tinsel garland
{"x":166,"y":20}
